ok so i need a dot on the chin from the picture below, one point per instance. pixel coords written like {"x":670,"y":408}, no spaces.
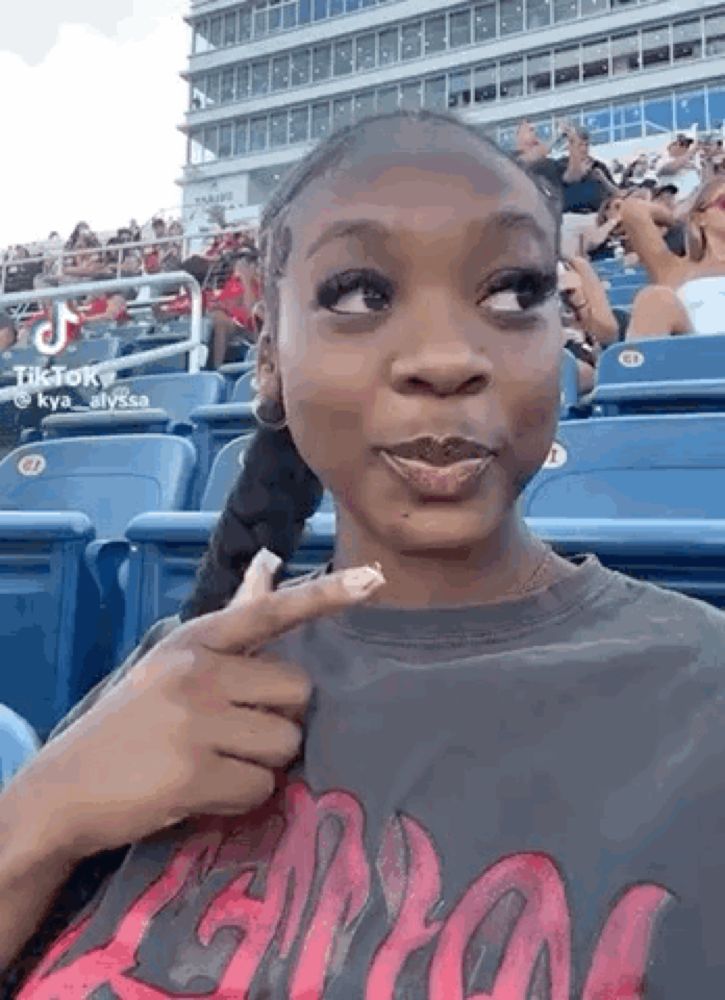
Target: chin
{"x":439,"y":528}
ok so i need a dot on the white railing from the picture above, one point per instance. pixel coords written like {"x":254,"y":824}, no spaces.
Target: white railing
{"x":192,"y":346}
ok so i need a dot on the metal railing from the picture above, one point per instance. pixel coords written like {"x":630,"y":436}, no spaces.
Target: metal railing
{"x":193,"y":345}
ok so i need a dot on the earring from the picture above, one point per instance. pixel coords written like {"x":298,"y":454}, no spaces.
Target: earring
{"x":269,"y":414}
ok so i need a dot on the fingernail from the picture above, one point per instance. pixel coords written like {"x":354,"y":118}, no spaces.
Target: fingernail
{"x":363,"y":581}
{"x":266,"y":560}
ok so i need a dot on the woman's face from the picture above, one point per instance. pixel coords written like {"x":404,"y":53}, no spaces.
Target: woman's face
{"x":712,"y":218}
{"x":420,"y":301}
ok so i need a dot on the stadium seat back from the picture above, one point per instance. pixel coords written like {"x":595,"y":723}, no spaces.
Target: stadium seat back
{"x":244,"y":388}
{"x":90,"y":352}
{"x":225,"y":470}
{"x":178,"y":393}
{"x":638,"y":467}
{"x":110,"y":479}
{"x":657,"y":375}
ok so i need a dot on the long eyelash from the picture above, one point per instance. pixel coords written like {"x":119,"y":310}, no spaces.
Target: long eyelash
{"x":533,"y":287}
{"x":332,"y":290}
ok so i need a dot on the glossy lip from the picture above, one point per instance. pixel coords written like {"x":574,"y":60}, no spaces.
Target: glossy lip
{"x":454,"y":481}
{"x":438,"y":451}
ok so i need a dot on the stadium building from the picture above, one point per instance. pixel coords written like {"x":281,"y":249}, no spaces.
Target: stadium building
{"x":267,"y":79}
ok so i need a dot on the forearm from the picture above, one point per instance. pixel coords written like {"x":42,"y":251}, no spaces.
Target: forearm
{"x":32,"y":872}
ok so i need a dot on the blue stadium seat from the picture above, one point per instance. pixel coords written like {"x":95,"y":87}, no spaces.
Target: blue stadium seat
{"x":660,"y":466}
{"x":671,"y":374}
{"x":171,"y":398}
{"x":215,"y":426}
{"x":569,"y":385}
{"x":89,"y":352}
{"x":110,"y":479}
{"x":224,"y":472}
{"x":23,"y":356}
{"x":683,"y":555}
{"x":233,"y":372}
{"x":18,"y":744}
{"x":47,"y":597}
{"x":244,"y":389}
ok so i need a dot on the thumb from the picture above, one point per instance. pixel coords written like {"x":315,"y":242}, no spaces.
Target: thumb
{"x":259,"y":578}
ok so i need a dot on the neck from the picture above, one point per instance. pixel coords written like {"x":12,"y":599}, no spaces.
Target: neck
{"x":492,"y":571}
{"x":715,"y":248}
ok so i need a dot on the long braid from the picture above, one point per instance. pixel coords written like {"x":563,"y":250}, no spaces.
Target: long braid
{"x":274,"y":495}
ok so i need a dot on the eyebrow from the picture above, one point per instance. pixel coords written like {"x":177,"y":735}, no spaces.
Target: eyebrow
{"x":506,"y":219}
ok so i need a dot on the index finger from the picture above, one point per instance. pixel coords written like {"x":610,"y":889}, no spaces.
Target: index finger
{"x":252,"y":624}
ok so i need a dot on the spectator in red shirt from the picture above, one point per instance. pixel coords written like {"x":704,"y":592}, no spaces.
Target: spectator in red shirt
{"x":233,"y":307}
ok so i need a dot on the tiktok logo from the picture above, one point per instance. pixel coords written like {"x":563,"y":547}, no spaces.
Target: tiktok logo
{"x":53,"y":335}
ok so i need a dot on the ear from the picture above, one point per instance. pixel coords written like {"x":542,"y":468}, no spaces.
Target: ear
{"x":268,"y":380}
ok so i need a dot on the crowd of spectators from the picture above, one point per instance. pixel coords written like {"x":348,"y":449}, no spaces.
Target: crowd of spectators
{"x":662,"y":213}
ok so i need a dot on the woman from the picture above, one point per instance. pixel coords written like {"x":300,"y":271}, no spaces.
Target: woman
{"x":511,"y":772}
{"x":587,"y":318}
{"x":687,"y":294}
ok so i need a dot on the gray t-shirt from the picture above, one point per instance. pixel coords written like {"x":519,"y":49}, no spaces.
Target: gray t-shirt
{"x":521,"y":801}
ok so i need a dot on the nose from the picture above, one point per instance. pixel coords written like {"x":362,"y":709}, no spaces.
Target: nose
{"x":440,"y":358}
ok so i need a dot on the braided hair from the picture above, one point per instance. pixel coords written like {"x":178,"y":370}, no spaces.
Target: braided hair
{"x":276,"y":492}
{"x":272,"y":498}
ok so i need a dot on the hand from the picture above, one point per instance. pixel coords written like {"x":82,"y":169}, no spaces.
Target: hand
{"x":197,"y":727}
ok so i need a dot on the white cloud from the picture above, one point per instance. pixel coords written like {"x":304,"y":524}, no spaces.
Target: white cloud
{"x":91,"y":131}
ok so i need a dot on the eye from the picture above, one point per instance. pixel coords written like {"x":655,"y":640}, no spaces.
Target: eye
{"x":355,"y":293}
{"x":519,"y":292}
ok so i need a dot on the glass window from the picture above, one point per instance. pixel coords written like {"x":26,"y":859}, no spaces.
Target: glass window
{"x":627,"y":120}
{"x":228,"y":88}
{"x":211,"y":143}
{"x":566,"y":66}
{"x":226,"y":141}
{"x":320,"y":120}
{"x":213,"y":88}
{"x":625,"y":53}
{"x":304,"y":11}
{"x":341,"y":112}
{"x":538,"y":14}
{"x":484,"y":84}
{"x":512,"y":16}
{"x":715,"y":35}
{"x":506,"y":137}
{"x":716,"y":105}
{"x":299,"y":127}
{"x":590,"y":7}
{"x":538,"y":73}
{"x":411,"y":96}
{"x":198,"y":96}
{"x":321,"y":62}
{"x":511,"y":79}
{"x":243,"y":82}
{"x":337,"y":7}
{"x":565,"y":10}
{"x":412,"y":40}
{"x":656,"y":49}
{"x":230,"y":30}
{"x":240,"y":137}
{"x":435,"y":93}
{"x":388,"y":47}
{"x":260,"y":78}
{"x":658,"y":117}
{"x":278,"y":129}
{"x":274,"y":16}
{"x":435,"y":34}
{"x":260,"y":20}
{"x":196,"y":148}
{"x":459,"y":89}
{"x":598,"y":123}
{"x":351,"y":5}
{"x":342,"y":64}
{"x":690,"y":109}
{"x":387,"y":99}
{"x":320,"y":9}
{"x":244,"y":25}
{"x":201,"y":39}
{"x":364,"y":104}
{"x":217,"y":32}
{"x":280,"y":72}
{"x":459,"y":29}
{"x":595,"y":59}
{"x":300,"y":68}
{"x":365,"y":52}
{"x":687,"y":39}
{"x":258,"y":134}
{"x":484,"y":22}
{"x":289,"y":16}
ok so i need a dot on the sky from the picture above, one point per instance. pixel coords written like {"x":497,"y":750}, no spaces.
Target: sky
{"x":91,"y":103}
